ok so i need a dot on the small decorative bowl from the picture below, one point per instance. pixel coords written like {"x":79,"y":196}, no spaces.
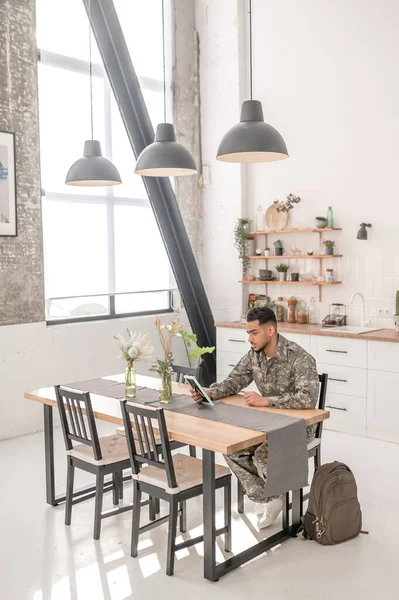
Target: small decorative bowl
{"x":321,"y":222}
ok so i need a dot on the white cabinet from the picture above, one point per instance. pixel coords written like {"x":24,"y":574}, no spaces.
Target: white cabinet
{"x":347,"y":414}
{"x":383,"y":356}
{"x":339,"y":351}
{"x":300,"y":339}
{"x":346,"y":381}
{"x":383,"y":405}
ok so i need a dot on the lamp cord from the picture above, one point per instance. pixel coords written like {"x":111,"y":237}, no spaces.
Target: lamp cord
{"x":163,"y":60}
{"x":250,"y":47}
{"x":91,"y":79}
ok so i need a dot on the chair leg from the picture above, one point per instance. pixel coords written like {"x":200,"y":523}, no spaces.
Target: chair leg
{"x":69,"y":491}
{"x":170,"y":563}
{"x":135,"y":519}
{"x":98,"y":504}
{"x":317,"y":457}
{"x":286,"y":510}
{"x":183,"y":517}
{"x":157,"y":506}
{"x":120,"y":485}
{"x":227,"y":515}
{"x":193,"y":451}
{"x":240,"y":497}
{"x":152,"y":508}
{"x":115,"y":489}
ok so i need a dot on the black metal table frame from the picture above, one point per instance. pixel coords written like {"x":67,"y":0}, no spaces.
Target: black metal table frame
{"x":212,"y":570}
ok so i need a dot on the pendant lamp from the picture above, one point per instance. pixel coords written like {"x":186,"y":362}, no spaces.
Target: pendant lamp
{"x":165,"y":157}
{"x":252,"y":140}
{"x":92,"y":169}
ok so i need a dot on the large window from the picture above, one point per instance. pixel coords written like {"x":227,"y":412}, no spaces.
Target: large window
{"x":103,"y":253}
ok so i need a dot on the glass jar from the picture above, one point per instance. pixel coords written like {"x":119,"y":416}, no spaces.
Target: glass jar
{"x":329,"y":275}
{"x":302,"y":314}
{"x":291,"y":312}
{"x":280,"y":310}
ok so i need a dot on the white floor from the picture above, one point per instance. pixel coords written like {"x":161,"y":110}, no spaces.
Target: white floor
{"x":41,"y":559}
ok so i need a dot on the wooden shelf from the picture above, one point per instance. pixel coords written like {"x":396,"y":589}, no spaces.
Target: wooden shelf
{"x":307,"y":230}
{"x":285,"y":256}
{"x":275,"y":281}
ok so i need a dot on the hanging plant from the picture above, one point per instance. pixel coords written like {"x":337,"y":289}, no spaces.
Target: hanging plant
{"x":241,"y":231}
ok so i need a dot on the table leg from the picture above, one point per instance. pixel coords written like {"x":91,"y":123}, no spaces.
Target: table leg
{"x":49,"y":454}
{"x":297,"y":510}
{"x":209,"y":509}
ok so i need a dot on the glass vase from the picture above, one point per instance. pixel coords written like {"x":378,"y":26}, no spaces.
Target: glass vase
{"x":130,"y":381}
{"x":165,"y":392}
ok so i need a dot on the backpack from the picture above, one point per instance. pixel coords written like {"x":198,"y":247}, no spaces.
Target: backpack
{"x":333,"y":515}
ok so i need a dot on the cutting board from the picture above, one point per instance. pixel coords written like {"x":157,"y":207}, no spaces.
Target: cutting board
{"x":276,"y":220}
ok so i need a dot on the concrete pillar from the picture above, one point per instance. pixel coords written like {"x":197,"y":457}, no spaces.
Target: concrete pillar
{"x":21,"y":257}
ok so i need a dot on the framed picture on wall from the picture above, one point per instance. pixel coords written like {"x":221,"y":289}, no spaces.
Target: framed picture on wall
{"x":8,"y":195}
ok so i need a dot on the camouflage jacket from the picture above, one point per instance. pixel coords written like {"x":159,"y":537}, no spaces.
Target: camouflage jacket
{"x":288,"y":380}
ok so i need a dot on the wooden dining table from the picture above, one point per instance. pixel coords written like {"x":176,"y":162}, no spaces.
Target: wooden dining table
{"x":211,"y":436}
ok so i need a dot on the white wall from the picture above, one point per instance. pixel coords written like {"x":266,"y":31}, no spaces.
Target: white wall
{"x":219,"y":25}
{"x":34,"y":355}
{"x":326,"y":73}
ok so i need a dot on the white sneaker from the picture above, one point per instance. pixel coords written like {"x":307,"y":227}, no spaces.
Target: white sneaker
{"x":271,"y":511}
{"x":260,"y":508}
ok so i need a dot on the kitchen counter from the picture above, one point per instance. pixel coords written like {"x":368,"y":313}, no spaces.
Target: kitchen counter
{"x":381,"y":335}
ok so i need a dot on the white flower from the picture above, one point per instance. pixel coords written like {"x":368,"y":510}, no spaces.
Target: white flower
{"x":136,"y":348}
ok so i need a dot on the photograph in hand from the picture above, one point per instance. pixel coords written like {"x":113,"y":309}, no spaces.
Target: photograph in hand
{"x":205,"y":399}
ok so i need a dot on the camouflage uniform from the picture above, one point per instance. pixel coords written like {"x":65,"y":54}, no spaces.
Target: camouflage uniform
{"x":288,"y":380}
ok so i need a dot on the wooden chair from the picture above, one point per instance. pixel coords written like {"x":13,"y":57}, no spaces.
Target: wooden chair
{"x":100,"y":456}
{"x":314,"y":447}
{"x":174,"y":479}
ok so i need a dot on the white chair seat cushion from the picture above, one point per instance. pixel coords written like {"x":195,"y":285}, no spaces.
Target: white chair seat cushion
{"x":314,"y":443}
{"x":188,"y":472}
{"x":113,"y":449}
{"x":121,"y":431}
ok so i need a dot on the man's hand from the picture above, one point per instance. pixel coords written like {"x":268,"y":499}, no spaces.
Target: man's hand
{"x":254,"y":399}
{"x":196,"y":396}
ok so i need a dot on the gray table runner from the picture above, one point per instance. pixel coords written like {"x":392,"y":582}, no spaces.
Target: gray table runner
{"x":286,"y":436}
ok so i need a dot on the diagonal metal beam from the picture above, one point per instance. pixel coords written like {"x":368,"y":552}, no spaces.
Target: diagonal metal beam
{"x":125,"y":85}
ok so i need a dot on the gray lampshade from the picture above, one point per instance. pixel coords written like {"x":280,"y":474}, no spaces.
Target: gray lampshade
{"x":93,"y":169}
{"x":165,"y":157}
{"x":252,"y":140}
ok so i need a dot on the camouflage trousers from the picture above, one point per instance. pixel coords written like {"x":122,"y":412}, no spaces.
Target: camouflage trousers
{"x":250,"y":468}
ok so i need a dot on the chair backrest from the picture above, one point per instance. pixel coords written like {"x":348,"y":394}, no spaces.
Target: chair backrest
{"x":145,"y":450}
{"x":323,"y":379}
{"x":77,"y":419}
{"x":181,"y":371}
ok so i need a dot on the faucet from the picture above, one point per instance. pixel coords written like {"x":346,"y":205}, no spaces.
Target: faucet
{"x":362,"y":318}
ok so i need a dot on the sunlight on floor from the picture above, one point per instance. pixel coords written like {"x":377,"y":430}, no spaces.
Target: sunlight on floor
{"x":149,"y":565}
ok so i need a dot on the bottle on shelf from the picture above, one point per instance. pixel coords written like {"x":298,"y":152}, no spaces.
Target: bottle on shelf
{"x":280,"y":310}
{"x":330,"y":217}
{"x":260,"y":219}
{"x":312,"y":312}
{"x":291,"y":312}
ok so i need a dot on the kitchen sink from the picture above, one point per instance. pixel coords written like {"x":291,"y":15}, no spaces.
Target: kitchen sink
{"x":351,"y":329}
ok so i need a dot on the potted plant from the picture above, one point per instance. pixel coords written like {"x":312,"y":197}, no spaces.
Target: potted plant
{"x":329,"y":244}
{"x":282,"y":269}
{"x":397,"y":312}
{"x":267,"y":251}
{"x":241,"y":231}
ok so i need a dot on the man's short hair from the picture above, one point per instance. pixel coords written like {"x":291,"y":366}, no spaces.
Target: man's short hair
{"x":263,"y":314}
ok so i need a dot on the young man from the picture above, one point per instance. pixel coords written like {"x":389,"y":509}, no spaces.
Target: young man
{"x":286,"y":377}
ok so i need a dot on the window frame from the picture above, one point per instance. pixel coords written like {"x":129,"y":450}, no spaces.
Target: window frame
{"x":110,"y":199}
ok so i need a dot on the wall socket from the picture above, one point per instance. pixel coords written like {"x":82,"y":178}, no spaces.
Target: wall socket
{"x":385,"y":312}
